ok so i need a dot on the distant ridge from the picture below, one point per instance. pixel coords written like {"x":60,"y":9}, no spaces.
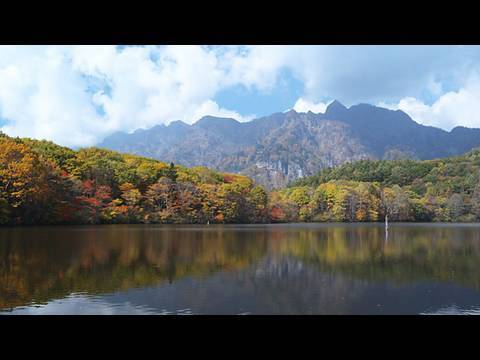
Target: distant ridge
{"x":282,"y":147}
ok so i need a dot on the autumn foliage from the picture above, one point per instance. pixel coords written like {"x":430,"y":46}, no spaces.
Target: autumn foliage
{"x":42,"y":183}
{"x":442,"y":190}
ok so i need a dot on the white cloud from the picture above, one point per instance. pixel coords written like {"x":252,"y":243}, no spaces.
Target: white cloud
{"x":76,"y":95}
{"x":259,"y":66}
{"x":303,"y":105}
{"x":210,"y":107}
{"x":43,"y":98}
{"x":455,"y":108}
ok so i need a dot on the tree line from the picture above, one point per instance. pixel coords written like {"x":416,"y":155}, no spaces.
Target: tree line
{"x":440,"y":190}
{"x":44,"y":183}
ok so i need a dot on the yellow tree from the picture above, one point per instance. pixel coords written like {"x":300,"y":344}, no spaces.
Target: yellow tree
{"x":25,"y":181}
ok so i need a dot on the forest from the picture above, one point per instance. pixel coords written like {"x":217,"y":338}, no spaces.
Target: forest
{"x":440,"y":190}
{"x":44,"y":183}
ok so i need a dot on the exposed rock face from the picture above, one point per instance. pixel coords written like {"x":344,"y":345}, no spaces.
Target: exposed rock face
{"x":282,"y":147}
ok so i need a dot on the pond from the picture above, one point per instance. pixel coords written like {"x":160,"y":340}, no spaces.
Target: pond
{"x":241,"y":269}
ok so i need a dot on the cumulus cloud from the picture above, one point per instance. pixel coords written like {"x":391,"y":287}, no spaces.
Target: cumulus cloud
{"x":454,"y":108}
{"x":210,"y":107}
{"x":303,"y":105}
{"x":40,"y":96}
{"x":354,"y":74}
{"x":76,"y":95}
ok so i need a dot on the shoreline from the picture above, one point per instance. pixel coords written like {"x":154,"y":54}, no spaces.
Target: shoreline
{"x":216,"y":225}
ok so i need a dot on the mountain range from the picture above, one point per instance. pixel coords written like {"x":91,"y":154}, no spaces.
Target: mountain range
{"x":282,"y":147}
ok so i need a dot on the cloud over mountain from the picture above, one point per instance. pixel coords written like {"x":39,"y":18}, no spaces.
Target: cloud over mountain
{"x":77,"y":95}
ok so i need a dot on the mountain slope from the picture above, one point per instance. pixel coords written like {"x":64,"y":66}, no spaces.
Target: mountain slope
{"x":282,"y":147}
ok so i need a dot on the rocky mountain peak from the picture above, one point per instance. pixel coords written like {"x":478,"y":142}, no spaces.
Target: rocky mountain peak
{"x":335,"y":109}
{"x":284,"y":146}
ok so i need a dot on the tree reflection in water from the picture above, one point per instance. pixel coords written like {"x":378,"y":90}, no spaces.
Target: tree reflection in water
{"x":41,"y":264}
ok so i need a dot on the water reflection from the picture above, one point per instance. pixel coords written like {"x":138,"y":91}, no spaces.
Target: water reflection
{"x":248,"y":269}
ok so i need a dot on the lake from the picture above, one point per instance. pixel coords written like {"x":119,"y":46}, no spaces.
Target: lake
{"x":241,"y":269}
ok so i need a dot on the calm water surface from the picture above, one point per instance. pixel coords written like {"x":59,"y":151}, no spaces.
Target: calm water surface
{"x":241,"y":269}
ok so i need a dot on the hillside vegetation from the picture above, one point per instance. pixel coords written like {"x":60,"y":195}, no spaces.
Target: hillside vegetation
{"x":406,"y":190}
{"x":283,"y":147}
{"x":43,"y":183}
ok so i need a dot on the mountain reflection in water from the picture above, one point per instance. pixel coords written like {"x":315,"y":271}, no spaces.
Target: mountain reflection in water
{"x":241,"y":269}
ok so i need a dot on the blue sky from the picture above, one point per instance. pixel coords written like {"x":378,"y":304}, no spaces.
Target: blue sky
{"x":253,"y":101}
{"x":77,"y":95}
